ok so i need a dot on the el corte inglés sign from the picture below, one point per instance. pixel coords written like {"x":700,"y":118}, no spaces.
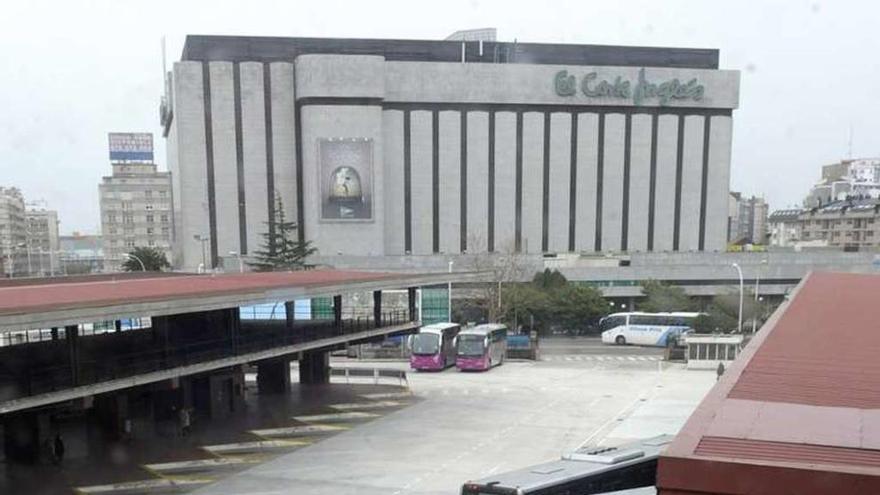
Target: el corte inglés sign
{"x":642,"y":92}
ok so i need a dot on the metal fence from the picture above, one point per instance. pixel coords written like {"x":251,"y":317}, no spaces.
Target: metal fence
{"x":255,"y":336}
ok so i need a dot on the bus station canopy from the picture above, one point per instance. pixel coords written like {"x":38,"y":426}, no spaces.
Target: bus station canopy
{"x":799,"y":410}
{"x":44,"y":303}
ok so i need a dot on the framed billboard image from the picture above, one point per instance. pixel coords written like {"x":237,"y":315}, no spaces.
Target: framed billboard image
{"x":346,"y":179}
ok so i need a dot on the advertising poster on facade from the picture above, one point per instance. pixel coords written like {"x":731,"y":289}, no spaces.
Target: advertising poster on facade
{"x":346,"y":178}
{"x":130,"y":146}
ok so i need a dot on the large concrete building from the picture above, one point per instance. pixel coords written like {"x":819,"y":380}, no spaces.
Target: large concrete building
{"x":43,"y":241}
{"x":135,"y":211}
{"x":747,"y":222}
{"x":388,"y":147}
{"x":847,"y":178}
{"x":13,"y":232}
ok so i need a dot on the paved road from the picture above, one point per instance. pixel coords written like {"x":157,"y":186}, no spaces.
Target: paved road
{"x":470,"y":425}
{"x":593,"y":346}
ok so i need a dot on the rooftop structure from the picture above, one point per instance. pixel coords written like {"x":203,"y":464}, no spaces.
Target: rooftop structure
{"x":797,"y":412}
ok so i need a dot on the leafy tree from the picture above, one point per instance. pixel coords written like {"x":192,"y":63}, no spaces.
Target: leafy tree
{"x":660,"y":298}
{"x":154,"y":260}
{"x":551,"y":301}
{"x":722,"y":314}
{"x":549,"y":279}
{"x":281,"y":251}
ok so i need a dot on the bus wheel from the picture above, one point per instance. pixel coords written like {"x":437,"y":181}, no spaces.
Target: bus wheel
{"x":620,"y":340}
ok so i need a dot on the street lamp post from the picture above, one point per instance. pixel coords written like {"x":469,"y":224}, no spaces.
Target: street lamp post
{"x":203,"y":239}
{"x":235,"y":254}
{"x":449,"y":294}
{"x":741,"y":289}
{"x":129,"y":255}
{"x":757,"y":286}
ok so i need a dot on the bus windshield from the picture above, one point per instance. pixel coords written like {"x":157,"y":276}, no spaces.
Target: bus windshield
{"x":426,"y":344}
{"x":610,"y":322}
{"x":470,"y":345}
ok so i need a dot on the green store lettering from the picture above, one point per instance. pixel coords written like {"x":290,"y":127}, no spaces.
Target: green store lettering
{"x":591,"y":86}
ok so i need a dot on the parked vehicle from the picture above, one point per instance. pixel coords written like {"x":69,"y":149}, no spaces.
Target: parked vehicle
{"x":433,"y":348}
{"x":481,"y":347}
{"x":588,"y":470}
{"x":651,"y":329}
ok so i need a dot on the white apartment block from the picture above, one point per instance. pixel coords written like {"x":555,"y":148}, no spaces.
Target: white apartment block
{"x":135,"y":211}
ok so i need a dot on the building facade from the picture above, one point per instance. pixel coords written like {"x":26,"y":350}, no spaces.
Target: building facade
{"x":13,"y":232}
{"x":43,"y":240}
{"x":853,"y":224}
{"x":785,"y":227}
{"x":389,"y":147}
{"x":135,"y":211}
{"x":848,"y":178}
{"x":747,"y":223}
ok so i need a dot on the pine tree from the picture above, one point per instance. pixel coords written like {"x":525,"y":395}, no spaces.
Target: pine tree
{"x":281,"y":251}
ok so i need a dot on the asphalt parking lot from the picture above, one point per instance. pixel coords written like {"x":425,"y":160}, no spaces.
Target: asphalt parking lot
{"x":464,"y":426}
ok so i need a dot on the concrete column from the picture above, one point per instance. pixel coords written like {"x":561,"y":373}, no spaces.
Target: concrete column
{"x":160,"y":333}
{"x":337,"y":312}
{"x":71,"y":335}
{"x":233,"y":322}
{"x":225,"y":392}
{"x":273,"y":376}
{"x":314,"y":368}
{"x":112,"y":411}
{"x":290,"y":312}
{"x":117,"y":325}
{"x":411,"y":303}
{"x":377,"y":308}
{"x":24,"y":434}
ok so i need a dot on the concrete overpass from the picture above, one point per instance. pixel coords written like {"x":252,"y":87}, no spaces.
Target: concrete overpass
{"x":189,"y":348}
{"x":620,"y":275}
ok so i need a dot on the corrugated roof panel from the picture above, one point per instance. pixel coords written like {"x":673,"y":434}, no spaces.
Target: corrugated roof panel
{"x":733,"y":448}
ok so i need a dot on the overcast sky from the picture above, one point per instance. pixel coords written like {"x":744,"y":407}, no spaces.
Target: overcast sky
{"x":74,"y":70}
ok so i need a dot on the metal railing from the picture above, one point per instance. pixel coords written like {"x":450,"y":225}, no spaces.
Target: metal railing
{"x":370,"y":373}
{"x":254,"y":336}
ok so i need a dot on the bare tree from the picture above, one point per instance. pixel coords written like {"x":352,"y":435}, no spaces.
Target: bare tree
{"x":503,"y":266}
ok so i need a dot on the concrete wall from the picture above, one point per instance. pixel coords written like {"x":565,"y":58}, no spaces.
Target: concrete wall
{"x":190,"y":178}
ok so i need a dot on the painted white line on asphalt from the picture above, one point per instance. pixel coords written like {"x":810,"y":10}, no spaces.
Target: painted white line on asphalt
{"x":198,"y":465}
{"x":379,"y":404}
{"x":388,"y":395}
{"x":336,"y":417}
{"x":144,"y":486}
{"x":298,"y":431}
{"x":258,"y":446}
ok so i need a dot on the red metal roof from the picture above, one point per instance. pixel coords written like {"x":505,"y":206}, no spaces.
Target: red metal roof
{"x":58,"y":294}
{"x":799,"y":411}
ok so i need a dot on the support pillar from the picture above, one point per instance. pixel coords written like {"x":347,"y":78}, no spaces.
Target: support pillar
{"x":24,"y":435}
{"x":112,"y":411}
{"x":160,"y":333}
{"x":273,"y":376}
{"x":377,"y":308}
{"x":314,"y":367}
{"x":290,"y":314}
{"x":411,"y":302}
{"x":71,"y":335}
{"x":337,"y":312}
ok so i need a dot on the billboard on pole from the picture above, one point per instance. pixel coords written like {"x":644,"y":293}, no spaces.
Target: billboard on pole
{"x":131,"y":146}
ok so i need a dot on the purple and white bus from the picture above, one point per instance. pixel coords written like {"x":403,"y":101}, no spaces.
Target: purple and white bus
{"x":433,"y":348}
{"x":481,"y":347}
